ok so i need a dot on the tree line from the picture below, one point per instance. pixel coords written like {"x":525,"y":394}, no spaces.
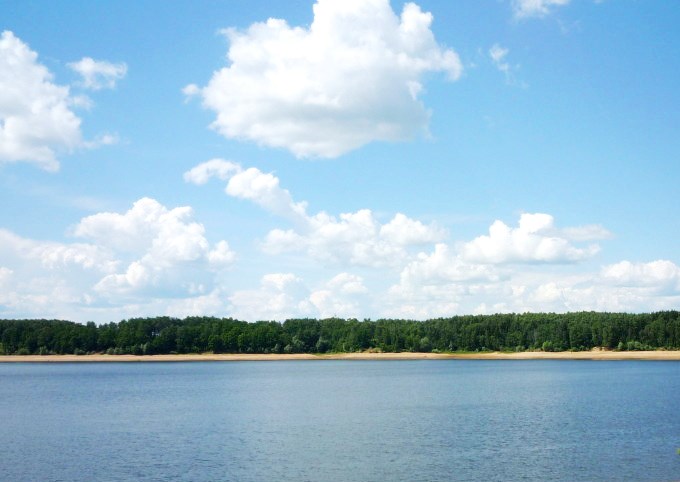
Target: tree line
{"x":504,"y":332}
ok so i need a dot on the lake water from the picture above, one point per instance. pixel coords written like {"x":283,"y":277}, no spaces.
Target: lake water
{"x":425,"y":420}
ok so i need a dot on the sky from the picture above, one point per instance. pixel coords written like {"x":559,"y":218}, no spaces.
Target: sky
{"x":274,"y":159}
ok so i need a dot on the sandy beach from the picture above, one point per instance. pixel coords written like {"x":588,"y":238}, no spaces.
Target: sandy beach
{"x":530,"y":355}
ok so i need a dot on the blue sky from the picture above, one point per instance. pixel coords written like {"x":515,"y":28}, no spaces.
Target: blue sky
{"x":270,"y":159}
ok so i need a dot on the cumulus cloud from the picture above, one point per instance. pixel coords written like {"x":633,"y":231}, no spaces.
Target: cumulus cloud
{"x":169,"y":251}
{"x":263,"y":189}
{"x":534,"y":240}
{"x":661,"y":274}
{"x":352,"y":77}
{"x":444,"y":264}
{"x":535,"y":8}
{"x":36,"y":120}
{"x":5,"y":275}
{"x":250,"y":184}
{"x":52,"y":255}
{"x":622,"y":287}
{"x":41,"y":277}
{"x":357,"y":238}
{"x":214,"y":303}
{"x":440,"y":282}
{"x":285,"y":295}
{"x":342,"y":296}
{"x":147,"y":260}
{"x":218,"y":168}
{"x":280,"y":296}
{"x":511,"y":269}
{"x":99,"y":74}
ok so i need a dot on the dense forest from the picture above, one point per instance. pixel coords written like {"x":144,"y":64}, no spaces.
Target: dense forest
{"x":505,"y":332}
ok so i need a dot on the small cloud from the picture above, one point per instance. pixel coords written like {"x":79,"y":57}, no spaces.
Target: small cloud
{"x":588,"y":232}
{"x":81,"y":101}
{"x":498,"y":56}
{"x":102,"y":140}
{"x":535,"y":8}
{"x":190,"y":91}
{"x":98,"y":74}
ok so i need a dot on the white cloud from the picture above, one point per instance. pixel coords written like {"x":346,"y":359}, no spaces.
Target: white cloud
{"x":146,"y":261}
{"x":445,"y":265}
{"x":250,"y":184}
{"x":343,"y":296}
{"x":218,"y":168}
{"x":53,"y":256}
{"x":661,"y":274}
{"x":351,"y":78}
{"x":280,"y":296}
{"x":5,"y":275}
{"x":589,"y":232}
{"x":42,"y":277}
{"x":439,"y":283}
{"x":620,"y":287}
{"x":285,"y":295}
{"x":99,"y":74}
{"x":512,"y":269}
{"x":169,"y":252}
{"x":36,"y":121}
{"x":214,"y":303}
{"x":263,"y":189}
{"x":534,"y":240}
{"x":535,"y":8}
{"x":498,"y":55}
{"x":221,"y":255}
{"x":355,"y":238}
{"x":406,"y":231}
{"x":528,"y":290}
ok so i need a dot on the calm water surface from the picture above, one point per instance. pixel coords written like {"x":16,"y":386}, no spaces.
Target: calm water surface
{"x":426,"y":420}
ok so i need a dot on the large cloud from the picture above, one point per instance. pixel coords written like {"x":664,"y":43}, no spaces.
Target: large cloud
{"x":351,"y":78}
{"x":621,"y":287}
{"x":169,"y":252}
{"x":511,"y":269}
{"x":141,"y":258}
{"x":36,"y":120}
{"x":357,"y":238}
{"x":42,"y":277}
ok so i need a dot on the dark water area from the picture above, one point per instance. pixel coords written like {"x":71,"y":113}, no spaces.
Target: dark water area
{"x":416,"y":420}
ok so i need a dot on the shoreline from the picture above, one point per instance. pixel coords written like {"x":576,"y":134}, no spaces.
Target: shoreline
{"x":529,"y":355}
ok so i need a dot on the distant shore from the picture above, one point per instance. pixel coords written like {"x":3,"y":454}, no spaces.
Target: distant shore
{"x":527,"y":355}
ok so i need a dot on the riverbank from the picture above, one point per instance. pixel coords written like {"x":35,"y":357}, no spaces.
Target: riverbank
{"x":528,"y":355}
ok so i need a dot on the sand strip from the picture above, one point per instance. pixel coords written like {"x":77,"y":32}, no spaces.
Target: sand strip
{"x":529,"y":355}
